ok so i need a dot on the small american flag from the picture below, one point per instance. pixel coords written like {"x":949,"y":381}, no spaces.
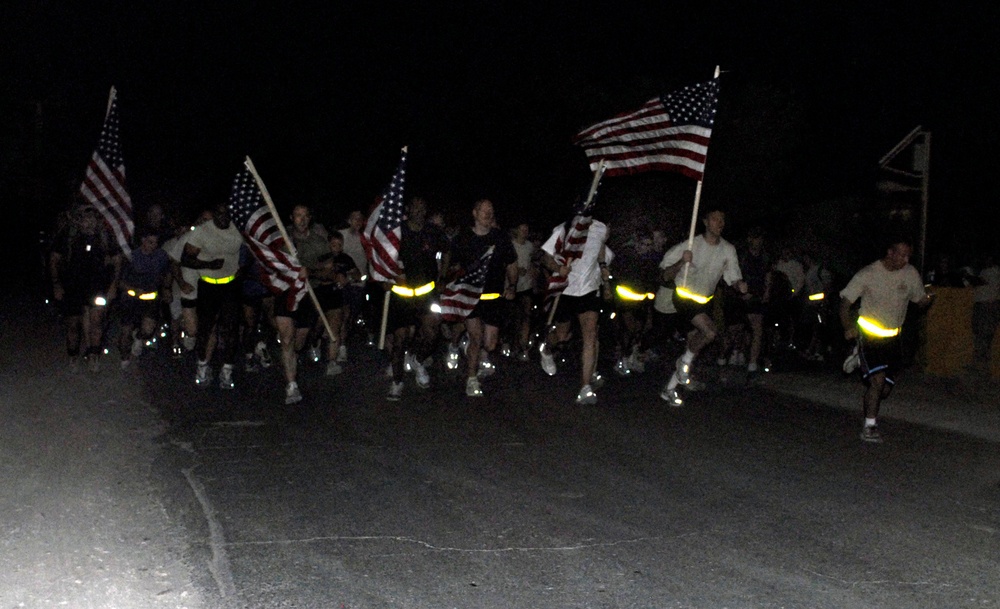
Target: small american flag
{"x":459,"y":297}
{"x":569,"y":247}
{"x":260,"y":230}
{"x":381,"y":235}
{"x":669,"y":133}
{"x":104,"y":182}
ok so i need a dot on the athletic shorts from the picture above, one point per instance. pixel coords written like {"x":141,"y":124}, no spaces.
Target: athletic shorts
{"x":880,"y":355}
{"x":405,"y":312}
{"x":491,"y":312}
{"x":305,"y":316}
{"x":570,"y":307}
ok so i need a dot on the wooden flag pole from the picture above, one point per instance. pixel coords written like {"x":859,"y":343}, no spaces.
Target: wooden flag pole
{"x":598,"y":173}
{"x":385,"y":319}
{"x":694,"y":213}
{"x":288,"y":241}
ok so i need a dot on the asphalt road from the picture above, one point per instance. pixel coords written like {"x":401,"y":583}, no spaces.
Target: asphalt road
{"x":742,"y":498}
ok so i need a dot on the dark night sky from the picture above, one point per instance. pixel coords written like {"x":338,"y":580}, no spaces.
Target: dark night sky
{"x":489,"y":94}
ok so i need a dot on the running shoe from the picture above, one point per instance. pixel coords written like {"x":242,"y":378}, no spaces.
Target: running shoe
{"x":548,"y":362}
{"x":333,"y":368}
{"x":683,"y":371}
{"x":472,"y":388}
{"x":226,"y":377}
{"x":204,"y":375}
{"x":292,"y":394}
{"x":586,"y":397}
{"x":395,"y":391}
{"x":871,"y":433}
{"x":672,"y":397}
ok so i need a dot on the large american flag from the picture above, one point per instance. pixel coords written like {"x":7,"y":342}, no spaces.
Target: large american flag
{"x":381,"y":235}
{"x":669,"y":133}
{"x":260,"y":230}
{"x":459,"y":297}
{"x":104,"y":181}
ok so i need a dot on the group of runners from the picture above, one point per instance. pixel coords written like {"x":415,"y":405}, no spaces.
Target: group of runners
{"x":201,"y":283}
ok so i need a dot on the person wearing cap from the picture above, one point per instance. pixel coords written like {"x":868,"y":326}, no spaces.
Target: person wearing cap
{"x":213,"y":249}
{"x":695,"y":273}
{"x":885,"y":288}
{"x":84,"y":266}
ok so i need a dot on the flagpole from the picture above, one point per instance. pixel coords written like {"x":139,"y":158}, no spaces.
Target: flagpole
{"x":111,"y":99}
{"x":288,"y":242}
{"x":694,"y":213}
{"x":598,"y":173}
{"x":385,"y":301}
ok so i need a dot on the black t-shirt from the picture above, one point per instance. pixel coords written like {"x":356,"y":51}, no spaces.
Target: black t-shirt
{"x":469,"y":247}
{"x":418,"y":252}
{"x":85,"y":261}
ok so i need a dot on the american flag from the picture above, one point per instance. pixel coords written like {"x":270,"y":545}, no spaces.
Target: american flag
{"x":568,"y":247}
{"x":260,"y":230}
{"x":669,"y":133}
{"x":381,"y":235}
{"x":104,"y":182}
{"x":459,"y":297}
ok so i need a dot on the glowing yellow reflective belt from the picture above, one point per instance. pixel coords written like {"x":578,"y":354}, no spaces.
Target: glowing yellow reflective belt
{"x":626,"y":293}
{"x":491,"y":296}
{"x":684,"y":293}
{"x":146,"y":296}
{"x":218,"y":281}
{"x":406,"y":292}
{"x":873,"y":328}
{"x":817,"y":296}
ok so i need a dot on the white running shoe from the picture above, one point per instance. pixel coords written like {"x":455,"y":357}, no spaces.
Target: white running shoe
{"x":472,"y":388}
{"x":420,"y":372}
{"x":204,"y":375}
{"x":634,"y":363}
{"x":596,"y":380}
{"x":395,"y":391}
{"x":672,"y":397}
{"x":486,"y":367}
{"x":292,"y":394}
{"x":226,"y":377}
{"x":548,"y":362}
{"x":621,"y":367}
{"x":586,"y":397}
{"x":341,"y":354}
{"x":452,"y":361}
{"x":263,"y":355}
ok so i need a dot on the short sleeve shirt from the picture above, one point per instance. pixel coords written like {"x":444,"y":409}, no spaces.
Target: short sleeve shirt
{"x":214,"y":242}
{"x":885,"y":294}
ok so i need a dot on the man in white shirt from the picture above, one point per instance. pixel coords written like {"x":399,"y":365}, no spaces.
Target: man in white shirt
{"x":580,"y":299}
{"x":709,"y":259}
{"x":213,"y":249}
{"x":885,"y":287}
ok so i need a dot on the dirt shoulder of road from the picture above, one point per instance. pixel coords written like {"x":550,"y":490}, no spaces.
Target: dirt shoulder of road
{"x":84,"y":524}
{"x":967,"y":404}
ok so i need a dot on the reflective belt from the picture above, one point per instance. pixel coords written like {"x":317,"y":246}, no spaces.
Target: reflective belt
{"x":145,"y":296}
{"x":873,"y":328}
{"x":491,"y":296}
{"x":406,"y":292}
{"x":817,"y":296}
{"x":626,"y":293}
{"x":218,"y":281}
{"x":685,"y":293}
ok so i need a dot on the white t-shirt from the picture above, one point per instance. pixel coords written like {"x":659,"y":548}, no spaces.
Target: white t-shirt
{"x":709,"y":264}
{"x":524,"y":252}
{"x":354,"y":249}
{"x":884,"y":294}
{"x":214,"y":242}
{"x":794,"y":271}
{"x":585,"y":273}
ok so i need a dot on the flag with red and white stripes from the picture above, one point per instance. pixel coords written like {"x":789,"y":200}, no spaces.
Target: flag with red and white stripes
{"x":568,"y":247}
{"x":459,"y":297}
{"x":382,"y":233}
{"x":668,"y":133}
{"x":103,"y":184}
{"x":254,"y":219}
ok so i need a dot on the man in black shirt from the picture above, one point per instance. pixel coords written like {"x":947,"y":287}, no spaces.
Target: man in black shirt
{"x":483,"y":323}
